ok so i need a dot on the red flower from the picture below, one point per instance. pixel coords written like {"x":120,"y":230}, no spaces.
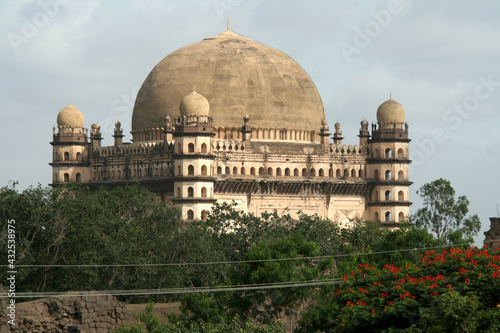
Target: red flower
{"x":384,"y":295}
{"x":434,"y":294}
{"x":372,"y":311}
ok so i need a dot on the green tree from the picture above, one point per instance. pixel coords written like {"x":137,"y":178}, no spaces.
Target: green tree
{"x":411,"y":297}
{"x":445,"y":216}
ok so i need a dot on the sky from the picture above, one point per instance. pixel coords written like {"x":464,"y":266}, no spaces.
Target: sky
{"x":439,"y":59}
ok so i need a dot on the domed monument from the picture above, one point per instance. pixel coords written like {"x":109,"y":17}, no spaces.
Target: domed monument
{"x":231,"y":119}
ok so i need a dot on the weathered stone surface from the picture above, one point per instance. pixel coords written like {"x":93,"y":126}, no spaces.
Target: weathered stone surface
{"x":493,"y":234}
{"x":66,"y":314}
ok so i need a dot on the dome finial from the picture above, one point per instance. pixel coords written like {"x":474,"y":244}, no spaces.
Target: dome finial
{"x":390,"y":95}
{"x":194,"y":88}
{"x":228,"y":23}
{"x":69,"y":101}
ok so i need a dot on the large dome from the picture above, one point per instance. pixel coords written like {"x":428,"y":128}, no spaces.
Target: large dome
{"x":238,"y":77}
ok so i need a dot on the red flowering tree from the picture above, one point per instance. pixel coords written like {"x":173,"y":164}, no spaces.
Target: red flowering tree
{"x":406,"y":298}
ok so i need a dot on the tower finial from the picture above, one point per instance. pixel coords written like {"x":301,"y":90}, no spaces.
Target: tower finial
{"x":228,"y":23}
{"x":390,"y":95}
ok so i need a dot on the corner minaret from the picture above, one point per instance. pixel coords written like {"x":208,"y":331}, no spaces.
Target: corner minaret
{"x":70,"y":148}
{"x":193,"y":158}
{"x":387,"y":166}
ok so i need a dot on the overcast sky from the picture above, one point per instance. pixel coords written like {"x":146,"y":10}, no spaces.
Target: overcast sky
{"x":439,"y":59}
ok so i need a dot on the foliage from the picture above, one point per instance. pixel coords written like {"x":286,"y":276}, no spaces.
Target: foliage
{"x":394,"y":298}
{"x":444,"y":216}
{"x":153,"y":325}
{"x":258,"y":269}
{"x":72,"y":225}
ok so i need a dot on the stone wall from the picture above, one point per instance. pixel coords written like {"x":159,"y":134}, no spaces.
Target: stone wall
{"x":87,"y":314}
{"x":493,"y":235}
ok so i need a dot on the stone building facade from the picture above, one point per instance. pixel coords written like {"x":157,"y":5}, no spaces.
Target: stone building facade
{"x":229,"y":118}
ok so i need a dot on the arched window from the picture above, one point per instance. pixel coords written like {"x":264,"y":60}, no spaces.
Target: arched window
{"x":401,"y":153}
{"x":388,"y":175}
{"x":252,"y":171}
{"x":375,"y":175}
{"x":190,"y":215}
{"x":401,"y":217}
{"x":304,"y":172}
{"x":179,"y":148}
{"x":204,"y":215}
{"x":278,"y":171}
{"x":66,"y":178}
{"x":360,"y":173}
{"x":78,"y":178}
{"x":312,"y":173}
{"x":388,"y":217}
{"x":375,"y":153}
{"x":296,"y":172}
{"x":219,"y":170}
{"x":228,"y":171}
{"x":112,"y":173}
{"x":330,"y":173}
{"x":242,"y":170}
{"x":388,"y":153}
{"x":375,"y":217}
{"x":178,"y":192}
{"x":375,"y":196}
{"x":270,"y":171}
{"x":346,"y":172}
{"x":204,"y":148}
{"x":235,"y":170}
{"x":190,"y":170}
{"x":388,"y":196}
{"x":79,"y":157}
{"x":203,"y":192}
{"x":401,"y":175}
{"x":353,"y":173}
{"x":190,"y":192}
{"x":337,"y":173}
{"x":401,"y":196}
{"x":179,"y":171}
{"x":287,"y":172}
{"x":261,"y":171}
{"x":66,"y":156}
{"x":120,"y":173}
{"x":321,"y":173}
{"x":203,"y":170}
{"x":191,"y":148}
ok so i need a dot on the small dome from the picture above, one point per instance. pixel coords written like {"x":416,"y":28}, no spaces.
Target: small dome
{"x":324,"y":122}
{"x":194,"y":103}
{"x":364,"y":123}
{"x":70,"y":116}
{"x":390,"y":112}
{"x":337,"y":125}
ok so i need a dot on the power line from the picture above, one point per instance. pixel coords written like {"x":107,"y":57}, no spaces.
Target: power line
{"x":241,"y":261}
{"x":166,"y":291}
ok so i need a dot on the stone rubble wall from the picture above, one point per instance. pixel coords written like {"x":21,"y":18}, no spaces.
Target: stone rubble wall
{"x":493,"y":235}
{"x":85,"y":314}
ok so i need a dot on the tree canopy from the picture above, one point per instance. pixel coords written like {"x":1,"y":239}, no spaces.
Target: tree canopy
{"x":445,"y":216}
